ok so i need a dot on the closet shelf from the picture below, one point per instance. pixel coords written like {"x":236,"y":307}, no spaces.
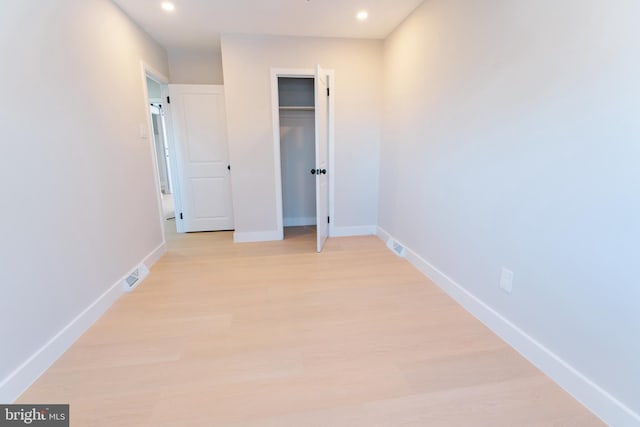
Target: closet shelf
{"x":297,"y":108}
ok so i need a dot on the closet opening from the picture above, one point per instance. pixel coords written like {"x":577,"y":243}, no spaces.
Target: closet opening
{"x":296,"y":112}
{"x":302,"y":112}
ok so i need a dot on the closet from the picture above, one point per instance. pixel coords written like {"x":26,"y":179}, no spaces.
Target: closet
{"x":297,"y":150}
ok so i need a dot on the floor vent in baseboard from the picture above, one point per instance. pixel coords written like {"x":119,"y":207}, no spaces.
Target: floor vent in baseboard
{"x":396,"y":247}
{"x":135,"y":277}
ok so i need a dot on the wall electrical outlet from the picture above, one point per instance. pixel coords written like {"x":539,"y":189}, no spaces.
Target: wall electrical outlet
{"x":506,"y":280}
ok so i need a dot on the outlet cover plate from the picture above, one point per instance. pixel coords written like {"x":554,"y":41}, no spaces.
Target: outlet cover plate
{"x":506,"y":280}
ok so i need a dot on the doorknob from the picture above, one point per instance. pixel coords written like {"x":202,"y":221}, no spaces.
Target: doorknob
{"x":322,"y":171}
{"x":313,"y":171}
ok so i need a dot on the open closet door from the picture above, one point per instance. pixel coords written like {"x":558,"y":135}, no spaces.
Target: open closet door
{"x":322,"y":144}
{"x":199,"y":125}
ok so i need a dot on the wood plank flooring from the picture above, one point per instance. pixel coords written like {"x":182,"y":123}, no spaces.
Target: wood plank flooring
{"x":273,"y":334}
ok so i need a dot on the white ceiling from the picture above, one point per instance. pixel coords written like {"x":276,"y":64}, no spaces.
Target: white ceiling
{"x":199,"y":23}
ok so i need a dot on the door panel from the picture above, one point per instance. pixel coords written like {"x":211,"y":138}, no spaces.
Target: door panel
{"x":202,"y":156}
{"x":204,"y":208}
{"x":322,"y":144}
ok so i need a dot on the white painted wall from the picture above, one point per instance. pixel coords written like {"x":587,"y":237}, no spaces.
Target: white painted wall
{"x":79,"y":201}
{"x":511,"y":138}
{"x":248,"y":61}
{"x":195,"y":66}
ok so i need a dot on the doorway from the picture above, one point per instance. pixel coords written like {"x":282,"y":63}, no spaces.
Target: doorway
{"x":156,"y":90}
{"x":303,"y":149}
{"x":297,"y":154}
{"x":159,"y":137}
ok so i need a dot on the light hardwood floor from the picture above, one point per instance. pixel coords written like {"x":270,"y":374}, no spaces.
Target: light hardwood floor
{"x":273,"y":334}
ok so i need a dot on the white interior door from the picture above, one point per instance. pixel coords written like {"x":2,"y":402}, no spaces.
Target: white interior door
{"x":322,"y":144}
{"x":199,"y":126}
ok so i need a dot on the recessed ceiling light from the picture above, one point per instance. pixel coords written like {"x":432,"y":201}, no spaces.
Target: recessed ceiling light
{"x":362,"y":15}
{"x":168,"y":6}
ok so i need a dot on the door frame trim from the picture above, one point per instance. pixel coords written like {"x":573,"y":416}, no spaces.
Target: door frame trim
{"x":275,"y":117}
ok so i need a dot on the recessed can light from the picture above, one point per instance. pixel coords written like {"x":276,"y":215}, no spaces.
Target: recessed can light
{"x":168,"y":6}
{"x":362,"y":15}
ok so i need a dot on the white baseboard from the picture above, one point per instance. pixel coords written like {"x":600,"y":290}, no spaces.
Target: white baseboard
{"x":591,"y":395}
{"x":300,"y":221}
{"x":382,"y":234}
{"x":30,"y":370}
{"x":264,"y":236}
{"x":359,"y":230}
{"x":155,"y":255}
{"x":256,"y":236}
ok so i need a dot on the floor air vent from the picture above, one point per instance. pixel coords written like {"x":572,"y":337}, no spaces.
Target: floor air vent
{"x":132,"y":279}
{"x":135,"y":277}
{"x":396,"y":247}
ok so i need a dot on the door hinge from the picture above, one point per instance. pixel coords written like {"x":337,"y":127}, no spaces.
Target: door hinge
{"x":181,"y":217}
{"x":328,"y":92}
{"x":328,"y":220}
{"x":168,"y":100}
